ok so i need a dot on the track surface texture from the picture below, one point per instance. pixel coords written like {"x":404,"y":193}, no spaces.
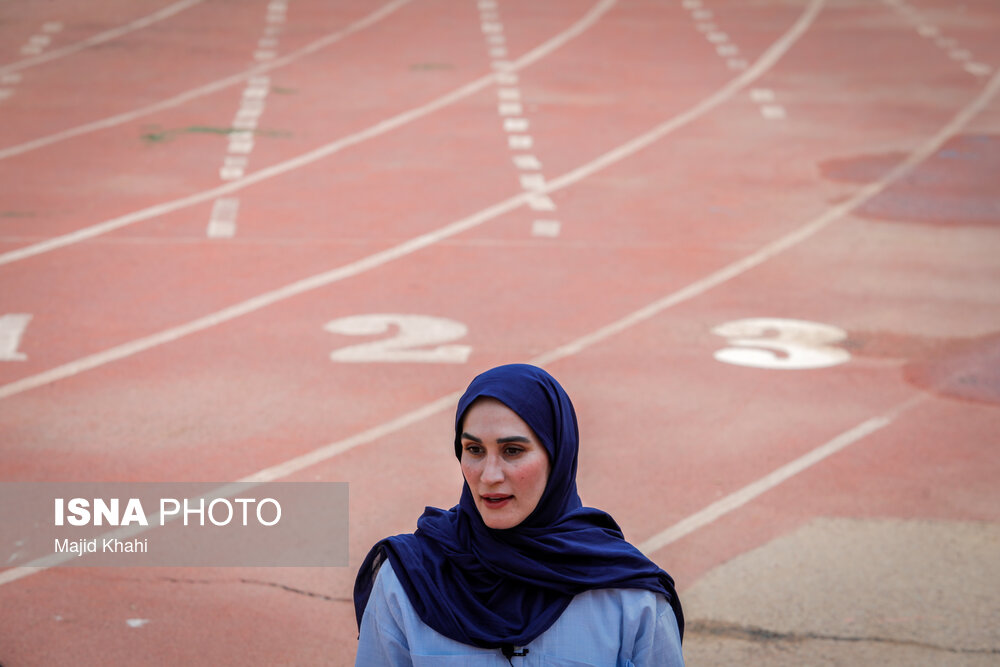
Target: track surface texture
{"x":757,"y":242}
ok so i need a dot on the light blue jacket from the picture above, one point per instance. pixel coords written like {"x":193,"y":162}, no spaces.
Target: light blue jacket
{"x":599,"y":628}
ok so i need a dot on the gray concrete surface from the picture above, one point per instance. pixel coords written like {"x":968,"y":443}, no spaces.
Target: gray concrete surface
{"x":854,"y":592}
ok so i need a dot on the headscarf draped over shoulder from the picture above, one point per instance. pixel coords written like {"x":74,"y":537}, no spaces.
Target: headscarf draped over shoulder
{"x":491,"y":588}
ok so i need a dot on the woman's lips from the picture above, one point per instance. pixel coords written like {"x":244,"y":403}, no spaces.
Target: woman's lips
{"x":496,"y":501}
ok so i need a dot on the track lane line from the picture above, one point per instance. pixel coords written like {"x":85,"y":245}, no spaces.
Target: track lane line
{"x":207,"y":89}
{"x":711,"y":512}
{"x":101,"y":37}
{"x":408,"y":247}
{"x":305,"y":159}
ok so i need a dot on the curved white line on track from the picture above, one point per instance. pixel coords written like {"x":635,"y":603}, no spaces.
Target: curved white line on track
{"x":207,"y":89}
{"x":408,"y":247}
{"x":734,"y":500}
{"x":714,"y":510}
{"x":102,"y":37}
{"x":305,"y":159}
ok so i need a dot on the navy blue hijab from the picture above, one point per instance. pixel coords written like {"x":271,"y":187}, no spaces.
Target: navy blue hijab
{"x":494,"y":588}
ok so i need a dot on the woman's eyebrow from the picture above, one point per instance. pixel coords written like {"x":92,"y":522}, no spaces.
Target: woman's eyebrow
{"x":513,"y":438}
{"x":500,"y":441}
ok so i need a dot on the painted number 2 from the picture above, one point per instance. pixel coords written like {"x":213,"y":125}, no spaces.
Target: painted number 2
{"x":781,"y":344}
{"x":417,"y":338}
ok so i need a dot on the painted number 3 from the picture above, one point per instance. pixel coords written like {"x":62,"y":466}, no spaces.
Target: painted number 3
{"x":781,"y":344}
{"x":416,"y":338}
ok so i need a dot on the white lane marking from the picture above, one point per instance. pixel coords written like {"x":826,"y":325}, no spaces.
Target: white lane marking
{"x":52,"y":27}
{"x":222,"y":223}
{"x":532,"y":182}
{"x":233,"y":167}
{"x":706,"y":27}
{"x":716,"y":510}
{"x":717,"y":37}
{"x":136,"y":622}
{"x":509,"y":94}
{"x":951,"y":45}
{"x":515,"y":124}
{"x":201,"y":91}
{"x":100,"y":38}
{"x":300,"y":161}
{"x":773,"y":111}
{"x":519,"y":141}
{"x":5,"y":93}
{"x":526,"y":162}
{"x":767,"y":60}
{"x":507,"y":78}
{"x":241,"y":142}
{"x":978,"y":69}
{"x":701,"y":14}
{"x":737,"y":63}
{"x":10,"y":79}
{"x":12,"y":326}
{"x":545,"y":228}
{"x":751,"y":491}
{"x":762,"y":95}
{"x":498,"y":52}
{"x":691,"y":4}
{"x":725,"y":505}
{"x":540,"y":202}
{"x":510,"y":109}
{"x":726,"y":50}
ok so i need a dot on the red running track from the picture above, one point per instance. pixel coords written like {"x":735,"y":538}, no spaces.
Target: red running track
{"x":818,"y":162}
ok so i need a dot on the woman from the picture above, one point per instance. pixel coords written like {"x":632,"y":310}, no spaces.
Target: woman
{"x":518,"y":572}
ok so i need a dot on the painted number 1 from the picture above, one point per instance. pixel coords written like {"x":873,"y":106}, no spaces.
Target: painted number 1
{"x":417,"y":338}
{"x":12,"y":327}
{"x":781,"y":344}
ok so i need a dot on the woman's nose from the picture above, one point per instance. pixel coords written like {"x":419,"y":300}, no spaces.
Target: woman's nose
{"x":492,"y":470}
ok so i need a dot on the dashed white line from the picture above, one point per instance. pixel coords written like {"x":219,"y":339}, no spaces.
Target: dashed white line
{"x":241,"y":142}
{"x":527,"y":162}
{"x":545,"y":228}
{"x":520,"y":142}
{"x":222,"y":223}
{"x":773,"y":111}
{"x":99,"y":38}
{"x":201,"y":91}
{"x":532,"y":181}
{"x":734,"y":500}
{"x":949,"y":44}
{"x":515,"y":124}
{"x":539,"y":52}
{"x":510,"y":109}
{"x":766,"y":61}
{"x":540,"y":202}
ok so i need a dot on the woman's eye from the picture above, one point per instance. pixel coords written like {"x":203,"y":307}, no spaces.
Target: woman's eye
{"x":513,"y":451}
{"x":475,"y":450}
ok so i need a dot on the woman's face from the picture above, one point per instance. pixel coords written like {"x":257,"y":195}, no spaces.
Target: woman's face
{"x":504,"y":465}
